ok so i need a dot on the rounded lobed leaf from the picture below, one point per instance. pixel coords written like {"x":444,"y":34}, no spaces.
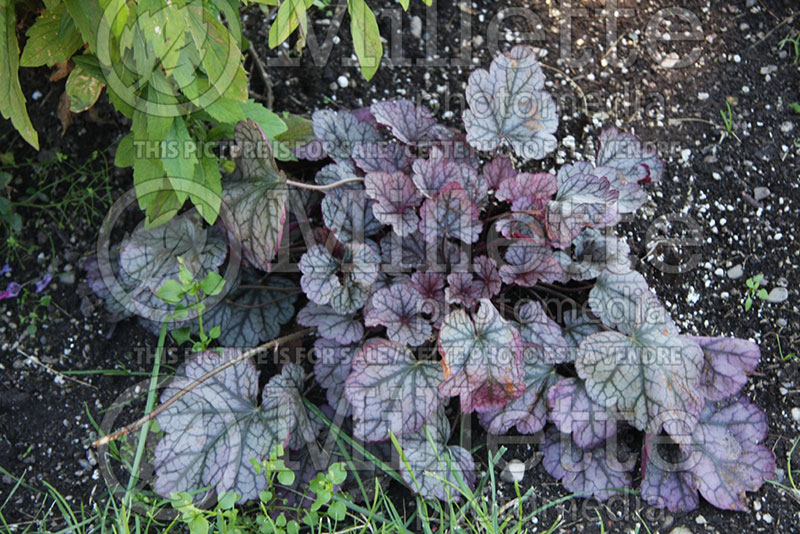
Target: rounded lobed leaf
{"x":451,"y":214}
{"x":396,"y":200}
{"x":482,"y":358}
{"x":398,"y":308}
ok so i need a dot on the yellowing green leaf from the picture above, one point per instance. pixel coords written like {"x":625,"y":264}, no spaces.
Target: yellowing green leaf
{"x":287,"y":20}
{"x":366,"y":37}
{"x":12,"y":101}
{"x":83,"y":90}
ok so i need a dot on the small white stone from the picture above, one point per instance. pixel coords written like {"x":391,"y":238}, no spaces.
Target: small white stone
{"x":703,"y":96}
{"x":757,"y":506}
{"x":767,"y":518}
{"x":719,"y":272}
{"x":778,"y":295}
{"x":700,"y":520}
{"x":737,"y":58}
{"x":796,"y":414}
{"x":716,"y":176}
{"x":787,"y":127}
{"x":569,"y":141}
{"x":686,"y":154}
{"x":745,"y":90}
{"x":36,"y":95}
{"x":342,"y":81}
{"x":416,"y":27}
{"x":514,"y":471}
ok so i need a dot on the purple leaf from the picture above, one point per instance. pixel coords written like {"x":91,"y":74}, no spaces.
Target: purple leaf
{"x":462,"y":290}
{"x":652,"y":376}
{"x":482,"y":359}
{"x":528,"y":412}
{"x":430,"y":286}
{"x":573,"y":412}
{"x":664,"y":483}
{"x":522,"y":226}
{"x":255,"y":202}
{"x":728,"y":363}
{"x":451,"y":214}
{"x":497,"y":170}
{"x":335,"y":172}
{"x":391,"y":391}
{"x":541,"y":336}
{"x":728,"y":456}
{"x":410,"y":124}
{"x":433,"y":174}
{"x":528,"y":192}
{"x":398,"y":308}
{"x":343,"y":283}
{"x":342,"y":133}
{"x":488,"y":276}
{"x":349,"y":213}
{"x":529,"y":263}
{"x":214,"y":430}
{"x":342,"y":329}
{"x":594,"y":473}
{"x":383,"y":157}
{"x":44,"y":282}
{"x":631,"y":194}
{"x":508,"y":104}
{"x":436,"y":468}
{"x":332,"y":365}
{"x":625,"y":153}
{"x":582,"y":201}
{"x":250,"y":316}
{"x":11,"y":291}
{"x":397,"y":199}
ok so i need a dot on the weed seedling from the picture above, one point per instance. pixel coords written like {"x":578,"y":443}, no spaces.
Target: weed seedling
{"x":754,"y":290}
{"x":784,"y":357}
{"x":795,"y":42}
{"x":727,"y":119}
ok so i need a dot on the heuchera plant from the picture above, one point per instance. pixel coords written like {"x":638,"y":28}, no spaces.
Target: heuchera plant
{"x":427,"y":235}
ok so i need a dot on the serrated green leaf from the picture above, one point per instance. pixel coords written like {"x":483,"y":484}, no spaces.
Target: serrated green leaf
{"x":12,"y":101}
{"x":53,"y":38}
{"x":87,"y":15}
{"x":125,"y":156}
{"x":366,"y":37}
{"x":180,"y":158}
{"x":269,"y":122}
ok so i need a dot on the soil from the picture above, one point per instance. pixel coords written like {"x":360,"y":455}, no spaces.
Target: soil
{"x":710,"y":214}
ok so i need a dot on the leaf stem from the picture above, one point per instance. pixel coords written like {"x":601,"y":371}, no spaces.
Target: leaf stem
{"x":326,"y":187}
{"x":189,"y":387}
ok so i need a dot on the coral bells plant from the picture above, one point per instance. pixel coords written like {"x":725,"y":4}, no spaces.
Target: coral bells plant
{"x":436,"y":276}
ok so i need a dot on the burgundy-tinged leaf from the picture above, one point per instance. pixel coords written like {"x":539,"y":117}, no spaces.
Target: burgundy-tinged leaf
{"x":482,"y":359}
{"x":522,"y":226}
{"x":342,"y":329}
{"x":529,"y":263}
{"x":409,"y":123}
{"x":625,"y":152}
{"x":528,"y":192}
{"x":433,"y":174}
{"x":451,"y":214}
{"x":582,"y":201}
{"x":631,"y":194}
{"x":391,"y":391}
{"x":573,"y":412}
{"x":528,"y":412}
{"x":396,"y":200}
{"x":594,"y":473}
{"x":728,"y":363}
{"x":462,"y":290}
{"x":399,"y":309}
{"x":500,"y":168}
{"x":343,"y":283}
{"x":488,"y":276}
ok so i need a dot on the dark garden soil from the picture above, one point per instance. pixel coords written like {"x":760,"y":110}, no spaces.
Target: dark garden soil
{"x":726,"y":210}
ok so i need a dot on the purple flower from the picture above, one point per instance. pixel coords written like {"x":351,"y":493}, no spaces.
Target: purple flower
{"x":11,"y":291}
{"x":5,"y":269}
{"x":44,"y":282}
